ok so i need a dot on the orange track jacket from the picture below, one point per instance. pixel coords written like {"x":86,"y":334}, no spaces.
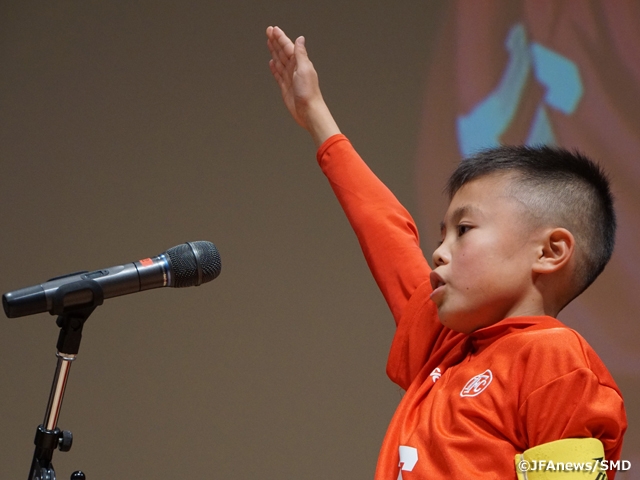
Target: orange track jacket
{"x":472,"y":401}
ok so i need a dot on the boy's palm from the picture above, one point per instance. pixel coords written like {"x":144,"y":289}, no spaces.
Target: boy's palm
{"x":294,"y":73}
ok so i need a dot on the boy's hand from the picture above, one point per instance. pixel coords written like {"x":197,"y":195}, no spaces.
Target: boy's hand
{"x":299,"y":86}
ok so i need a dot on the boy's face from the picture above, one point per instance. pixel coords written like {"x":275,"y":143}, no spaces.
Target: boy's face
{"x":483,"y":268}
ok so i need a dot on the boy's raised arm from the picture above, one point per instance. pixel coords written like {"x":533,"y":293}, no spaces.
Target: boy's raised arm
{"x":385,"y":230}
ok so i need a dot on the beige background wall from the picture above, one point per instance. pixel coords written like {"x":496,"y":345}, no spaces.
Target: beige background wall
{"x":129,"y":127}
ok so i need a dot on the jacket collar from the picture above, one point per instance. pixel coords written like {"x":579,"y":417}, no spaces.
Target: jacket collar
{"x":482,"y":338}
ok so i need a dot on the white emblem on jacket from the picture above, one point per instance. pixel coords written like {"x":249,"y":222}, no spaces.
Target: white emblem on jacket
{"x":477,"y":384}
{"x":436,"y":374}
{"x":408,"y":459}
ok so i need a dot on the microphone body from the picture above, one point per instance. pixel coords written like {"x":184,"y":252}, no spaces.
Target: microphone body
{"x":189,"y":264}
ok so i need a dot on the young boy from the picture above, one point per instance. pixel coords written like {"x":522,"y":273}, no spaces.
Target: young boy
{"x":489,"y":373}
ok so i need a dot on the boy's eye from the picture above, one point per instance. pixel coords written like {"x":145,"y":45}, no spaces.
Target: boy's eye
{"x":462,"y":229}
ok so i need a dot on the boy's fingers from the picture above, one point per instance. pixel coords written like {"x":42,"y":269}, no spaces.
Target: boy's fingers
{"x":283,"y":41}
{"x":282,"y":65}
{"x":282,"y":56}
{"x":278,"y":52}
{"x":272,"y":67}
{"x":277,"y":71}
{"x":279,"y":60}
{"x":277,"y":68}
{"x":277,"y":76}
{"x":271,"y":49}
{"x":275,"y":55}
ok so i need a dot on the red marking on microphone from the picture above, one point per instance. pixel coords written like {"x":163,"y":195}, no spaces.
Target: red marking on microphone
{"x":146,"y":262}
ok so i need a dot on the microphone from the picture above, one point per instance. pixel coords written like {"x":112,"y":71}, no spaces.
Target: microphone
{"x":186,"y":265}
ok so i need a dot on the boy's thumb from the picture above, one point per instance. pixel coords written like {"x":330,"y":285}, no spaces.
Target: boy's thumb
{"x":300,"y":48}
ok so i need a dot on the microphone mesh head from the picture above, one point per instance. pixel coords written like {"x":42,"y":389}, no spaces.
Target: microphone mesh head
{"x":193,"y":263}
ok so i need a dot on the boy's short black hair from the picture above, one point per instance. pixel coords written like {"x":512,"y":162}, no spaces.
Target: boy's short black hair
{"x":559,"y":187}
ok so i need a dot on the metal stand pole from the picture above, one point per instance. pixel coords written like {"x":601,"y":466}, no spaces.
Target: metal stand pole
{"x":57,"y":389}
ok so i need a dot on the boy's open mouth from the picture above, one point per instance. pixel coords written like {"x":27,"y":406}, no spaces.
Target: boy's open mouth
{"x":436,"y":281}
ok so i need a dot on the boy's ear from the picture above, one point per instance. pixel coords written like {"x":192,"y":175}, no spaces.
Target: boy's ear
{"x":556,"y":249}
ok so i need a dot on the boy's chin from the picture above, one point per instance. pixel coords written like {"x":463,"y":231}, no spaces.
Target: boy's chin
{"x":458,"y":322}
{"x":465,"y":322}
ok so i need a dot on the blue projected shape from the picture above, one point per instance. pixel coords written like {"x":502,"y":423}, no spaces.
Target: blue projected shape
{"x":541,"y":132}
{"x":484,"y":124}
{"x":490,"y":118}
{"x":561,"y":77}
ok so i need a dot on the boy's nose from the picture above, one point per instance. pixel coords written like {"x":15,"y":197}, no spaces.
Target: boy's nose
{"x":440,"y":256}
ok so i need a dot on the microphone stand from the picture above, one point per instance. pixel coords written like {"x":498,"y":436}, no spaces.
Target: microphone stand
{"x":70,"y":320}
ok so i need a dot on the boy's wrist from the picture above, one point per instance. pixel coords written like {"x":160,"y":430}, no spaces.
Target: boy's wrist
{"x":320,"y":122}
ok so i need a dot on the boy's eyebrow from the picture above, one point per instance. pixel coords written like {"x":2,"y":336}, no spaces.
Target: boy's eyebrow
{"x":457,"y":214}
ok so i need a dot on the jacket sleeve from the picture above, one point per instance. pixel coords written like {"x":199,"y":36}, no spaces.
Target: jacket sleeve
{"x":576,"y":405}
{"x":567,"y":392}
{"x":386,"y":232}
